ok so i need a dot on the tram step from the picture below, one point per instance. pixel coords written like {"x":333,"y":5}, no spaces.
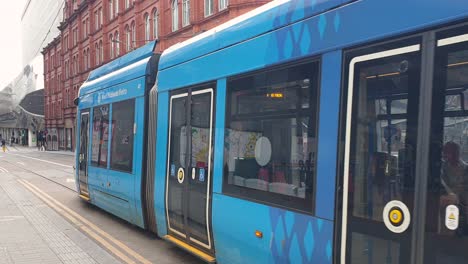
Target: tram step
{"x":86,"y":198}
{"x":190,"y":249}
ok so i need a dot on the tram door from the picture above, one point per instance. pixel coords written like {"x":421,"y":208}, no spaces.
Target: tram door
{"x":189,"y":174}
{"x":83,"y":155}
{"x":446,"y":229}
{"x":405,"y":174}
{"x":380,"y":154}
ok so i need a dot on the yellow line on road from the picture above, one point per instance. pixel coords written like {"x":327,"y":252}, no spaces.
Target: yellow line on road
{"x":75,"y":218}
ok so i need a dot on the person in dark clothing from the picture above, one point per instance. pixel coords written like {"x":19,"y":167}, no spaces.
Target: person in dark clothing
{"x":3,"y":144}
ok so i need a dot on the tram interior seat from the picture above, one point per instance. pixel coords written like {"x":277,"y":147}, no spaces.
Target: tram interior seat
{"x":238,"y":180}
{"x":256,"y":184}
{"x":283,"y":188}
{"x":301,"y":192}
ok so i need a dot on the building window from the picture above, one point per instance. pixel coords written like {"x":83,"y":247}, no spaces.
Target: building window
{"x":96,"y":20}
{"x":111,"y":40}
{"x":117,"y":43}
{"x":100,"y":136}
{"x":89,"y":58}
{"x":133,"y":30}
{"x":87,"y":26}
{"x":208,"y":7}
{"x":111,"y":9}
{"x":128,"y":37}
{"x":85,"y":60}
{"x":77,"y":69}
{"x":185,"y":12}
{"x":116,"y":7}
{"x":75,"y":36}
{"x":101,"y":52}
{"x":223,"y":4}
{"x":122,"y":135}
{"x":155,"y":24}
{"x":271,"y":135}
{"x":147,"y":27}
{"x":100,"y":17}
{"x":175,"y":15}
{"x":127,"y":4}
{"x":84,"y":30}
{"x":96,"y":48}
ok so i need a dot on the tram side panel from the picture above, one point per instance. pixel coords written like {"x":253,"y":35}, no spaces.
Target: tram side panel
{"x":115,"y":149}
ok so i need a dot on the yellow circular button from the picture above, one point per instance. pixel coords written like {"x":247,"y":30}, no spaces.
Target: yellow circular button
{"x":395,"y":216}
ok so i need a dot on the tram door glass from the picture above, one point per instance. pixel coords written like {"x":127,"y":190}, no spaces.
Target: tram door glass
{"x":189,"y":167}
{"x":384,"y":92}
{"x":446,"y":238}
{"x":83,"y":156}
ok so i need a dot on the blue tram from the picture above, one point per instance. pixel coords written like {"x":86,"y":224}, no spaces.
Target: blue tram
{"x":301,"y":132}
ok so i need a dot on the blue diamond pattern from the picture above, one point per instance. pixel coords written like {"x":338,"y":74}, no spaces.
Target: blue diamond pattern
{"x":288,"y":46}
{"x":322,"y":24}
{"x":313,"y":3}
{"x":309,"y":241}
{"x":319,"y":224}
{"x":337,"y":21}
{"x":294,"y":252}
{"x":298,"y":12}
{"x":279,"y":236}
{"x":289,"y":219}
{"x":305,"y":42}
{"x":329,"y":250}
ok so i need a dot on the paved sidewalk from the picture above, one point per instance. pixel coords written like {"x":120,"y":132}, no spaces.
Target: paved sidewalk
{"x":31,"y":232}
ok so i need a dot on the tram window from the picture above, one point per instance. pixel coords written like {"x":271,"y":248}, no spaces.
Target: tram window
{"x":448,"y":182}
{"x":271,"y":135}
{"x":100,"y":136}
{"x":122,"y":135}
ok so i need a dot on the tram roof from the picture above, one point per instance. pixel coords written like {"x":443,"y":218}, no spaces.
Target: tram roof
{"x":246,"y":26}
{"x":130,"y":66}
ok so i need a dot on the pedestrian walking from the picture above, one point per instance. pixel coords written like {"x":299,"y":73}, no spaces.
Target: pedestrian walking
{"x":3,"y":145}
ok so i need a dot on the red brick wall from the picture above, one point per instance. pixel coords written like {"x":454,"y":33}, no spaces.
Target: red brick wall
{"x":62,"y":82}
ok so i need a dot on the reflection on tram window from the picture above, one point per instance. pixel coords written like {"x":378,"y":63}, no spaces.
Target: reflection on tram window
{"x":382,"y":154}
{"x":448,"y":182}
{"x":122,"y":135}
{"x":270,"y":136}
{"x":100,"y":136}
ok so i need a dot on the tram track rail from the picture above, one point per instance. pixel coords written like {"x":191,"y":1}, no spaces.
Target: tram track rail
{"x":37,"y":174}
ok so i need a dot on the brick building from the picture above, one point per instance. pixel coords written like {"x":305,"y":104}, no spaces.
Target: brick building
{"x":94,"y":32}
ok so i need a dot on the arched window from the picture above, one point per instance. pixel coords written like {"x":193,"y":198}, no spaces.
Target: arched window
{"x":89,"y":57}
{"x":96,"y":48}
{"x":117,"y":44}
{"x":147,"y":27}
{"x":185,"y":12}
{"x":101,"y":52}
{"x":133,"y":30}
{"x":77,"y":63}
{"x":127,"y":39}
{"x":74,"y":66}
{"x":175,"y":15}
{"x":111,"y":40}
{"x":86,"y":60}
{"x":155,"y":24}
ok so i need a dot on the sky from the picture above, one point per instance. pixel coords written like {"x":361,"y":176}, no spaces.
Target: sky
{"x":10,"y":41}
